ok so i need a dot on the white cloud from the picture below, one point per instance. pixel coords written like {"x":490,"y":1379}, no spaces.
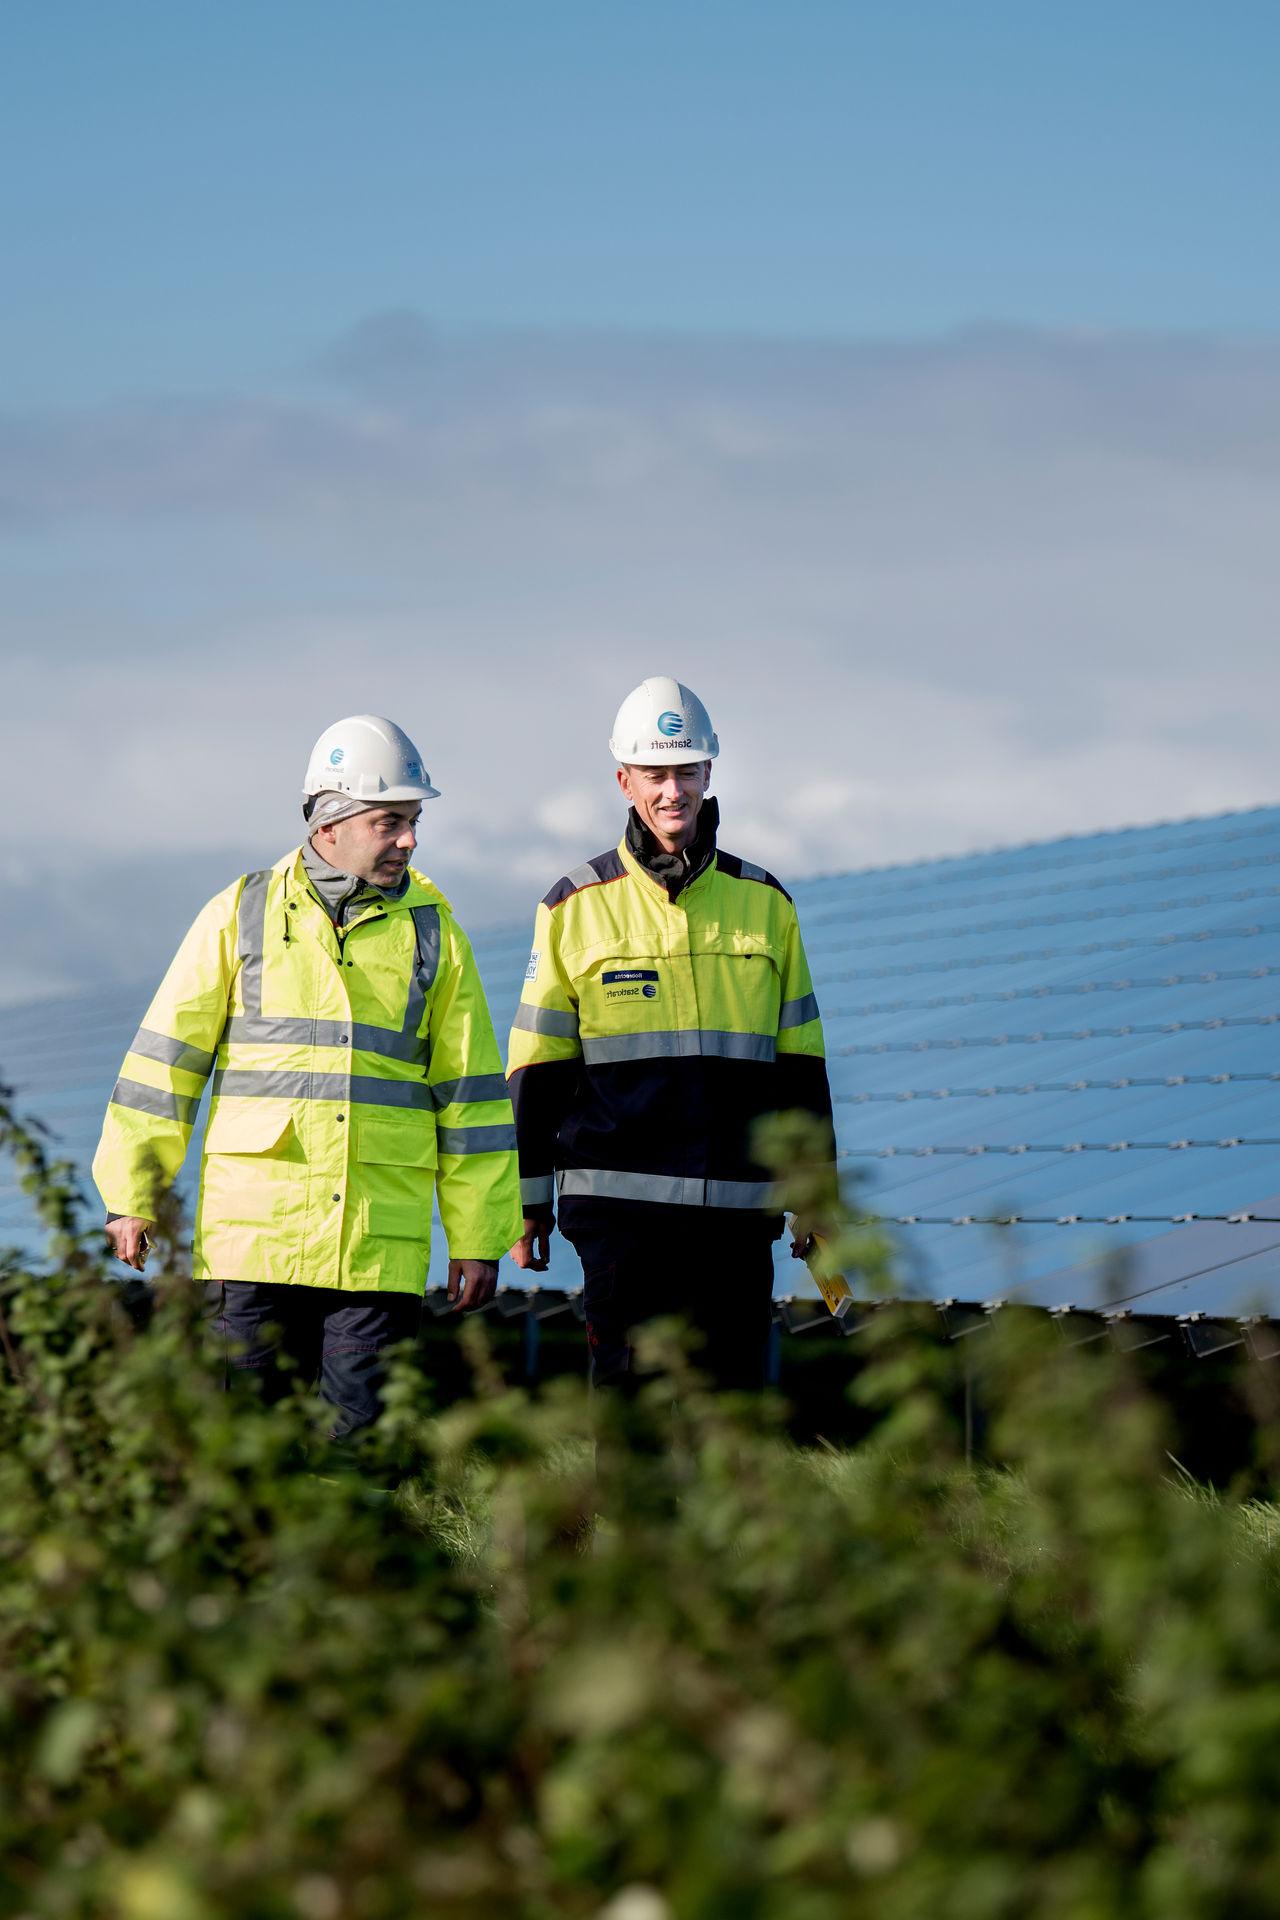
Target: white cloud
{"x":573,"y":814}
{"x":937,"y":597}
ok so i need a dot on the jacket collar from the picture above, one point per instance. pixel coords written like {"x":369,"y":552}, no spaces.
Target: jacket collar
{"x":418,"y":890}
{"x":674,"y":872}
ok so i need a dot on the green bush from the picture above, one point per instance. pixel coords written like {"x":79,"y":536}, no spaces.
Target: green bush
{"x":640,"y":1660}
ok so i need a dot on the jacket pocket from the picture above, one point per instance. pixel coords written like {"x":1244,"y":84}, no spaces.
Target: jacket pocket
{"x":250,"y":1191}
{"x":396,"y":1155}
{"x":256,"y":1127}
{"x":738,"y":985}
{"x":399,"y":1219}
{"x":386,"y":1140}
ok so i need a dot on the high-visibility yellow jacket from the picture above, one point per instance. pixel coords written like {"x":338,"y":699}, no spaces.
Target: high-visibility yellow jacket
{"x":354,"y":1071}
{"x":652,"y":1033}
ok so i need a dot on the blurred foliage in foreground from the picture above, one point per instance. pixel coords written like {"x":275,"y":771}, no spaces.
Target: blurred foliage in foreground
{"x":767,"y":1684}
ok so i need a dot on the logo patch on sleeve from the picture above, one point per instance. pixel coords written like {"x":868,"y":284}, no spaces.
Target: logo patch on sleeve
{"x":531,"y":971}
{"x":630,"y":983}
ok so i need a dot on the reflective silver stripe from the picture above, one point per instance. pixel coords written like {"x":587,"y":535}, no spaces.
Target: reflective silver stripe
{"x":476,"y":1139}
{"x":426,"y":923}
{"x":663,"y":1189}
{"x":667,"y":1190}
{"x":171,"y":1053}
{"x":689,"y":1043}
{"x":426,"y":936}
{"x":361,"y":1089}
{"x":472,"y":1088}
{"x":283,"y":1030}
{"x":583,"y":876}
{"x":750,"y":871}
{"x":408,"y":1044}
{"x":286,"y":1030}
{"x":539,"y":1191}
{"x":252,"y":922}
{"x":559,"y":1026}
{"x":796,"y":1012}
{"x":165,"y":1106}
{"x":742,"y":1193}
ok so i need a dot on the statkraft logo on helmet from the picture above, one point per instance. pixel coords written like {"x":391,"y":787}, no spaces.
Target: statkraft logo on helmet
{"x":663,"y":718}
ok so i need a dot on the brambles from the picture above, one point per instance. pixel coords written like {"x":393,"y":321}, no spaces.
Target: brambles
{"x":768,"y":1684}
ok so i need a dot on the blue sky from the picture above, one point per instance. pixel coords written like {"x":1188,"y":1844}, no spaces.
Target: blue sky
{"x":904,"y":378}
{"x":194,"y":196}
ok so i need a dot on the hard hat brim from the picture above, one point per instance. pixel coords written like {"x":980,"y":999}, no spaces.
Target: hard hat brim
{"x":407,"y":793}
{"x":647,"y":754}
{"x":397,"y":794}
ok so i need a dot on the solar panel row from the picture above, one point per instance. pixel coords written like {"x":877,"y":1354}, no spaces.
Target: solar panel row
{"x":1037,"y":1032}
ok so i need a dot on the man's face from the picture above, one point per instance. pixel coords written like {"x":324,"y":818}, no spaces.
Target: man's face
{"x":668,"y":799}
{"x":374,"y":846}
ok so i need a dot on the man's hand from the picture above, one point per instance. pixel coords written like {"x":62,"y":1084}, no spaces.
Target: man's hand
{"x":472,"y":1283}
{"x":803,"y":1239}
{"x":533,"y":1249}
{"x":128,"y":1237}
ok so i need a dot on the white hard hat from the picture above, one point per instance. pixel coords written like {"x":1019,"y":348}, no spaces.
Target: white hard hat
{"x":370,"y":759}
{"x":662,"y":720}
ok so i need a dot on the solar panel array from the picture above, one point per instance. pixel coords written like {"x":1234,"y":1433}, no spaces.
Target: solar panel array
{"x":1079,"y":1037}
{"x":1082,"y":1035}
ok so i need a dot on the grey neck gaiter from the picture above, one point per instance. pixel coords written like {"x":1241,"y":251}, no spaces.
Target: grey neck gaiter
{"x":340,"y":893}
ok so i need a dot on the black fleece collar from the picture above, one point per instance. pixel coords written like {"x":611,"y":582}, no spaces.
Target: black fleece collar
{"x":675,"y":871}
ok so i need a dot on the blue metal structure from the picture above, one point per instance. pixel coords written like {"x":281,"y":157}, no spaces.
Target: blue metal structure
{"x":1083,"y":1035}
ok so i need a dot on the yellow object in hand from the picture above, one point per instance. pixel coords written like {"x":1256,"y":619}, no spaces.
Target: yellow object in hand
{"x":834,"y":1288}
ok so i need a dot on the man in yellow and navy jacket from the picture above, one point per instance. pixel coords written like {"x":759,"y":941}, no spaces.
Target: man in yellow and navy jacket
{"x":336,"y":1003}
{"x":666,"y":1008}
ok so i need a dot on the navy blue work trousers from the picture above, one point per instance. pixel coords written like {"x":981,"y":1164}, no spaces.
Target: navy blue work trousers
{"x":337,"y":1338}
{"x":712,"y":1268}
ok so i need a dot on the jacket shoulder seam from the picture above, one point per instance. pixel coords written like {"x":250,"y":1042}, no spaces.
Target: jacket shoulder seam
{"x":735,"y":868}
{"x":605,"y":868}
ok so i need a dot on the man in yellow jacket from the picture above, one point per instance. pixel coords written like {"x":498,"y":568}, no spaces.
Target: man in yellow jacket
{"x":667,"y":1008}
{"x":337,"y":1005}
